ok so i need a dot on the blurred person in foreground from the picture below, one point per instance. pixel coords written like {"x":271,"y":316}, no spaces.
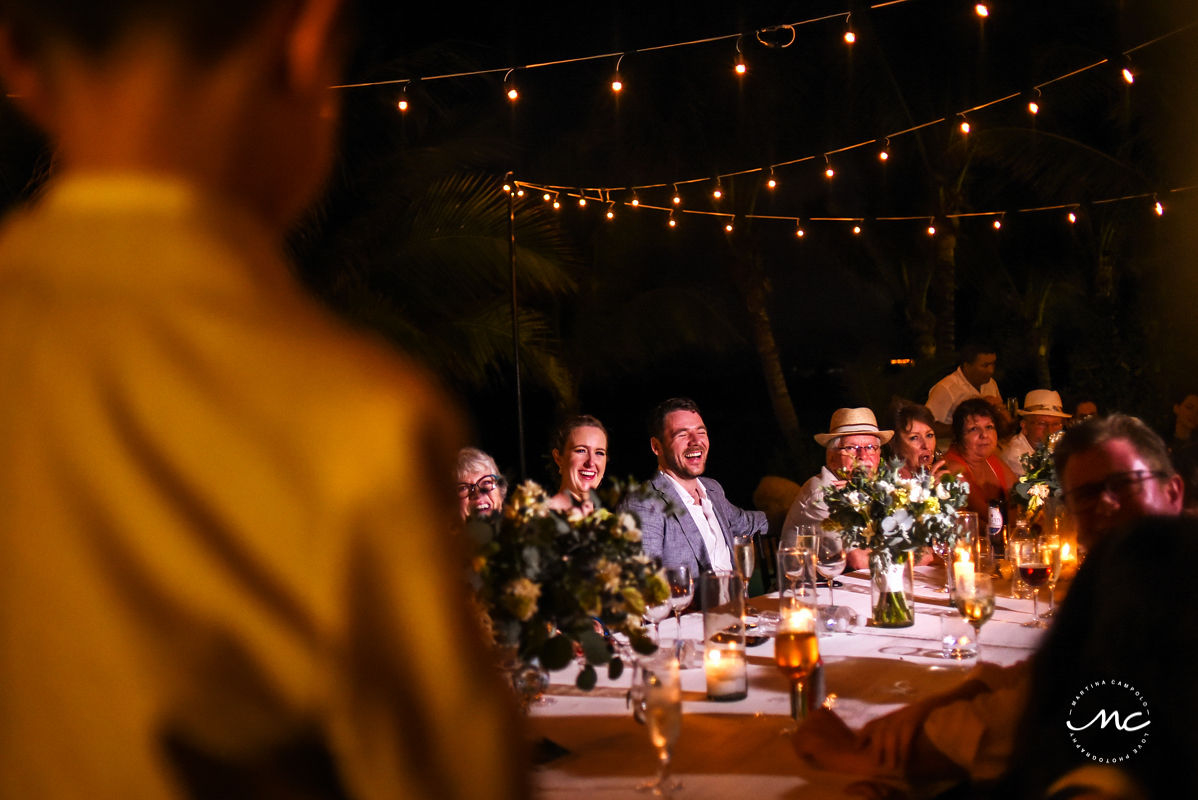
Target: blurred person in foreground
{"x":1114,"y":471}
{"x":481,"y":487}
{"x":221,"y":506}
{"x":580,"y":453}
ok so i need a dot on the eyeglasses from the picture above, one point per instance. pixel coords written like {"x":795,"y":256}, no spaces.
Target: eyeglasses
{"x":860,"y":449}
{"x":1121,"y":486}
{"x":485,"y":485}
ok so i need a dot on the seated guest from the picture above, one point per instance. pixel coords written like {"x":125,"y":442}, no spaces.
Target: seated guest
{"x":973,"y":378}
{"x":481,"y":489}
{"x":1040,"y":417}
{"x":852,"y":440}
{"x":974,"y":455}
{"x":687,"y":520}
{"x":1114,"y":471}
{"x":915,"y":440}
{"x":580,"y":452}
{"x":1084,"y":410}
{"x":1185,"y":414}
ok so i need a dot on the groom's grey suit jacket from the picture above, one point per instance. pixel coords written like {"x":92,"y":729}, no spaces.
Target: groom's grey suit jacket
{"x":674,"y":537}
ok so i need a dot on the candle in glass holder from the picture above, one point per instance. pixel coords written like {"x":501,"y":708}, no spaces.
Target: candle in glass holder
{"x":797,"y":619}
{"x":727,"y":678}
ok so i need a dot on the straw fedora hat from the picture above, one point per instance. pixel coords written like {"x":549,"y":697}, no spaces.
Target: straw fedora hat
{"x":1043,"y":401}
{"x":850,"y":421}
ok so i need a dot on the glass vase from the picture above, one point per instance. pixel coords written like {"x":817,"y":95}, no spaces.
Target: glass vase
{"x":892,"y":592}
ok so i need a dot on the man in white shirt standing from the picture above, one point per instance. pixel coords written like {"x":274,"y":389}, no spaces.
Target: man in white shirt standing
{"x":974,"y":378}
{"x":687,"y":520}
{"x":1042,"y":416}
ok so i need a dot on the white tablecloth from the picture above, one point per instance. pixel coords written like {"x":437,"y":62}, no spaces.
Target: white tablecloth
{"x":734,"y":749}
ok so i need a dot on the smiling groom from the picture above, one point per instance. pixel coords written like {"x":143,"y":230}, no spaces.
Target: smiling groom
{"x":687,"y":520}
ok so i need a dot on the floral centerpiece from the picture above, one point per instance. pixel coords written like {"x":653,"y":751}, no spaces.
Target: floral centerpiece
{"x":1039,"y":481}
{"x":554,"y":585}
{"x":891,"y":516}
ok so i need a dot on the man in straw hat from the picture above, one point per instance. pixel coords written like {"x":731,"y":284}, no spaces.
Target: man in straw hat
{"x":1042,"y":416}
{"x":852,"y":439}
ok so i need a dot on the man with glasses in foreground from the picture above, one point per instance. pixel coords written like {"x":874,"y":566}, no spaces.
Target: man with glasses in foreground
{"x":852,"y":440}
{"x":1114,"y":471}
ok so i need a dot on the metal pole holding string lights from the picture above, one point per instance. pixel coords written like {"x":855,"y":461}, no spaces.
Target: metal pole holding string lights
{"x":511,"y":254}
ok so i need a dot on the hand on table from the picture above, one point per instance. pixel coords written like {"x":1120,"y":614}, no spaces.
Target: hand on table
{"x":888,"y":739}
{"x":824,"y":741}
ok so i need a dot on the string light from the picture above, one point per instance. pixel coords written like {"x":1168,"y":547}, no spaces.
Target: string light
{"x":677,"y":199}
{"x":740,"y":68}
{"x":828,"y":171}
{"x":997,"y":223}
{"x":884,"y":153}
{"x":1157,"y":207}
{"x":718,"y":191}
{"x":1033,"y":103}
{"x":849,"y":36}
{"x":673,"y":223}
{"x":611,"y":214}
{"x":582,"y":201}
{"x":856,"y":230}
{"x":512,"y":92}
{"x":617,"y":84}
{"x":772,"y":182}
{"x":546,"y":197}
{"x":556,"y":203}
{"x":964,"y":126}
{"x":636,"y":201}
{"x":799,"y":232}
{"x":507,"y":188}
{"x":520,"y":191}
{"x":982,"y":10}
{"x":931,"y":227}
{"x":1129,"y":77}
{"x":1071,"y":217}
{"x":728,"y":227}
{"x":402,"y":105}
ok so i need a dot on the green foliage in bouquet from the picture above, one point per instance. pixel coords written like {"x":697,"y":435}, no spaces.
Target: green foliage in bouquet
{"x":544,"y":577}
{"x":1039,"y":479}
{"x":890,"y":515}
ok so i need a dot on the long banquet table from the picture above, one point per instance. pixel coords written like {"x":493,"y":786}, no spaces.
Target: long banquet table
{"x":734,"y":749}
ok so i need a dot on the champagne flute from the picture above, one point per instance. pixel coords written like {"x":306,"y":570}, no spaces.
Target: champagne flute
{"x":975,"y":601}
{"x":830,"y":560}
{"x":1031,"y":567}
{"x":682,"y":591}
{"x":1050,"y":548}
{"x":796,"y":650}
{"x":744,"y":550}
{"x":663,"y":719}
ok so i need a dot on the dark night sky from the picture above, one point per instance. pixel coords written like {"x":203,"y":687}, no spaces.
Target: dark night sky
{"x":684,"y":115}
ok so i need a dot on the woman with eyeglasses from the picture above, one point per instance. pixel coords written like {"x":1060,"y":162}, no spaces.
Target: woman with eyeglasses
{"x":974,"y":455}
{"x":915,"y":440}
{"x":580,"y":453}
{"x":481,"y":489}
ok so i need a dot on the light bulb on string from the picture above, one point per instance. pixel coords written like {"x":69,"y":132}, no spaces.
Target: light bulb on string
{"x":402,"y":105}
{"x":510,"y":86}
{"x":828,"y":171}
{"x":884,"y":152}
{"x":1157,"y":207}
{"x":728,"y":226}
{"x":1129,"y":77}
{"x":582,"y":199}
{"x":677,"y":198}
{"x":799,"y":232}
{"x":519,"y":191}
{"x":739,"y":67}
{"x":856,"y":230}
{"x":673,"y":223}
{"x":964,"y":127}
{"x":1072,"y":217}
{"x":556,"y":202}
{"x":982,"y":10}
{"x":849,"y":36}
{"x":636,"y":201}
{"x":997,"y":223}
{"x":771,"y":182}
{"x":718,"y":192}
{"x":931,"y":227}
{"x":1033,"y":102}
{"x":617,"y":83}
{"x":611,"y":213}
{"x":546,"y":197}
{"x":507,"y":187}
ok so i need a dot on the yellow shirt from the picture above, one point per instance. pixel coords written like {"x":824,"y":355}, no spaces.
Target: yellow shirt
{"x":223,"y":521}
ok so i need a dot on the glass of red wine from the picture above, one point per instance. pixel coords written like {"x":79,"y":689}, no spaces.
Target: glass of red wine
{"x":1031,"y":565}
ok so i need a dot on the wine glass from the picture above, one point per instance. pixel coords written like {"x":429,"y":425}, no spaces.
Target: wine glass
{"x":975,"y":601}
{"x":656,"y":614}
{"x":744,"y":550}
{"x":1050,"y":549}
{"x":1031,"y":567}
{"x":796,"y":649}
{"x":662,"y":692}
{"x":682,"y":591}
{"x":830,"y":560}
